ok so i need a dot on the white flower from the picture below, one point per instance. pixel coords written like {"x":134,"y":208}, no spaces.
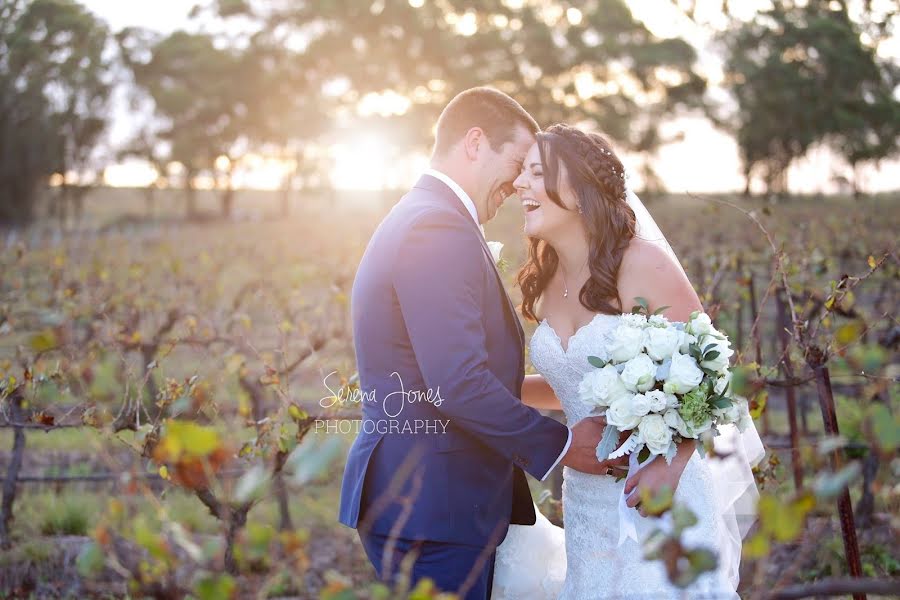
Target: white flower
{"x":701,"y":324}
{"x":634,"y":320}
{"x":659,"y":400}
{"x":658,"y":321}
{"x":674,"y":420}
{"x":656,"y":433}
{"x":619,"y":415}
{"x":496,"y":248}
{"x":662,"y":343}
{"x":684,"y":375}
{"x":639,"y":374}
{"x":722,"y":382}
{"x":626,"y":342}
{"x":640,"y":405}
{"x":601,"y":387}
{"x":685,"y":341}
{"x":722,"y":346}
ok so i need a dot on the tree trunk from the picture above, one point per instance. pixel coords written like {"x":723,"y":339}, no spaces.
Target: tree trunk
{"x":191,"y":195}
{"x":227,"y":201}
{"x":9,"y":483}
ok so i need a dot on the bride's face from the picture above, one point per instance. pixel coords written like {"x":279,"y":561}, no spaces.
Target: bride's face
{"x":544,"y":218}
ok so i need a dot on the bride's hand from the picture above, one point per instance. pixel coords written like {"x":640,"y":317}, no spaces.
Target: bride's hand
{"x":658,"y":475}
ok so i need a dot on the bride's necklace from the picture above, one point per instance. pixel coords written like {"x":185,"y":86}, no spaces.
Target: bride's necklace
{"x":565,"y":284}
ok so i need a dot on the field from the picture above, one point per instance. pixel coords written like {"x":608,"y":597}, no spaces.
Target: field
{"x":109,"y":327}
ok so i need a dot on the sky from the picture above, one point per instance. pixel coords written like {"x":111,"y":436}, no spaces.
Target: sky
{"x":705,"y":160}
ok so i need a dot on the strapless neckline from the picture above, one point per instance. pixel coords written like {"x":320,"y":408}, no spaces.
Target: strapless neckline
{"x":565,"y":349}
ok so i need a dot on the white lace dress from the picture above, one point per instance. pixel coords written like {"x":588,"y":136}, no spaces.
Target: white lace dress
{"x":528,"y":566}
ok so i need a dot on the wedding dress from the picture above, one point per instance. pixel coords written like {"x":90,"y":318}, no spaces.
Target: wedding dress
{"x":530,"y":563}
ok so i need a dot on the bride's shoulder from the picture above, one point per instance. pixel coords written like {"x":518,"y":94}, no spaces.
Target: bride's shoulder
{"x":649,"y":271}
{"x":642,"y":255}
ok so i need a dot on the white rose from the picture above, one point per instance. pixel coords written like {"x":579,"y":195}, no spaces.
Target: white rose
{"x":620,"y":416}
{"x":723,"y":347}
{"x":640,"y":405}
{"x":659,"y":400}
{"x":634,"y":320}
{"x":722,"y":383}
{"x":662,"y":343}
{"x":496,"y":248}
{"x":674,"y":420}
{"x":685,"y":341}
{"x":658,"y":321}
{"x":626,"y":343}
{"x":639,"y":374}
{"x":700,"y":325}
{"x":656,"y":433}
{"x":601,"y":387}
{"x":684,"y":375}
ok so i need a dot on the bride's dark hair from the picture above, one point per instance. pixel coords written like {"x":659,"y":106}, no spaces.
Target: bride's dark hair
{"x":596,"y":176}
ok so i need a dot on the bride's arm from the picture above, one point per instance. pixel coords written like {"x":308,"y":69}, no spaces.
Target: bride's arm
{"x":537,"y":393}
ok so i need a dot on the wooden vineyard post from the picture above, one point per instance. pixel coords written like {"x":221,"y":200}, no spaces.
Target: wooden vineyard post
{"x":16,"y":415}
{"x":816,"y":361}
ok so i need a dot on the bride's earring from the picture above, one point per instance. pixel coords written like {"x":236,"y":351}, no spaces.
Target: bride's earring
{"x":578,"y":206}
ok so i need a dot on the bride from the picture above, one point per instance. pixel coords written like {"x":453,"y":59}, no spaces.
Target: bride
{"x":593,"y":249}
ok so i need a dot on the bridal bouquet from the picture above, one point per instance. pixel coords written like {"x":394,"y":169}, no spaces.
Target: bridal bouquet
{"x":665,"y":382}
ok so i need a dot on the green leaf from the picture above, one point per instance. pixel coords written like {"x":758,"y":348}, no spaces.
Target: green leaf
{"x":756,"y":546}
{"x":657,"y":503}
{"x":722,"y":402}
{"x":214,"y":587}
{"x":607,"y":442}
{"x":643,"y":455}
{"x":660,"y":310}
{"x":252,"y":483}
{"x":830,"y":485}
{"x":682,"y":518}
{"x":712,"y":355}
{"x":596,"y":361}
{"x":43,"y":341}
{"x":90,"y":560}
{"x":312,"y":457}
{"x":885,"y":427}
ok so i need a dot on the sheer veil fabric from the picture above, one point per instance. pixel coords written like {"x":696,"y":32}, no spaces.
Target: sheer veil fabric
{"x":735,"y":486}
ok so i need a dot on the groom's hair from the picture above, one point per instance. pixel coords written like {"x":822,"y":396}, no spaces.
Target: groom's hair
{"x":494,"y":112}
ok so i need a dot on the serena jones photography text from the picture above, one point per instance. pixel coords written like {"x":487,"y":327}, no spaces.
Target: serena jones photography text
{"x":392,"y":406}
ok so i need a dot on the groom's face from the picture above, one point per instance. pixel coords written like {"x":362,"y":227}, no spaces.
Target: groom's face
{"x":498,"y":171}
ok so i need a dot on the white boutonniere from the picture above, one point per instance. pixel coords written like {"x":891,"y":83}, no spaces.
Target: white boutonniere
{"x":496,"y":248}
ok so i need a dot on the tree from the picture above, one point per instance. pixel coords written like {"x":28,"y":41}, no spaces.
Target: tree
{"x":595,"y":65}
{"x":801,"y":75}
{"x":56,"y":82}
{"x":198,"y":91}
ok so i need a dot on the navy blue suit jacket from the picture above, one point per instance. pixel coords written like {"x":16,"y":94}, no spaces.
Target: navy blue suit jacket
{"x":430,"y":313}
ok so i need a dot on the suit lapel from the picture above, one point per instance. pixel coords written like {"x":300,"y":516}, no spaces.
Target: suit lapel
{"x":511,"y":310}
{"x":427,"y":182}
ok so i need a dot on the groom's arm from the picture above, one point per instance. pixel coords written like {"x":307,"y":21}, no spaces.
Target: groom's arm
{"x":561,"y":454}
{"x":438,"y":278}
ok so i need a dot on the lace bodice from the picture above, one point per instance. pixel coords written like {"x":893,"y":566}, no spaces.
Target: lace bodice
{"x":564,"y":367}
{"x":596,"y":565}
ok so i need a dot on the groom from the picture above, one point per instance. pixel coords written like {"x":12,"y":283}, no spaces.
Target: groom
{"x":435,"y":476}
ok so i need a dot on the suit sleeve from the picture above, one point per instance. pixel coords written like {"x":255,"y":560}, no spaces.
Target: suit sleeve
{"x":438,"y":278}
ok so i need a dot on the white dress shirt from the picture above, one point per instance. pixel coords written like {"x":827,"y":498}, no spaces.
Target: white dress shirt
{"x":470,"y":206}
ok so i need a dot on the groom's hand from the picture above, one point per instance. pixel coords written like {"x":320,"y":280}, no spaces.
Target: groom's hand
{"x":582,"y":454}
